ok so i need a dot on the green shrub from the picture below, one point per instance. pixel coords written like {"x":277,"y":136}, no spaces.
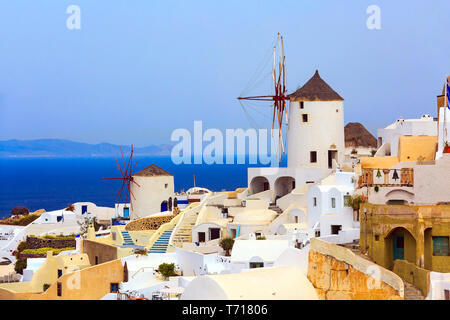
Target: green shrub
{"x":20,"y":265}
{"x":167,"y":269}
{"x":45,"y":250}
{"x":261,"y":238}
{"x":61,"y":236}
{"x":22,"y":246}
{"x":226,"y":244}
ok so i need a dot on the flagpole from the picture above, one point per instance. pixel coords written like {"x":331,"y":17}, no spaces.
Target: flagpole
{"x":444,"y":127}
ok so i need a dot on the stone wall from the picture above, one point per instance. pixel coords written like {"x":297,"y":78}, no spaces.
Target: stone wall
{"x":338,"y":274}
{"x":103,"y":252}
{"x":36,"y":243}
{"x":411,"y":273}
{"x":148,"y":223}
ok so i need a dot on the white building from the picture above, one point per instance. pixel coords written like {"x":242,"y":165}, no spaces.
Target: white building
{"x":153,"y":192}
{"x":388,"y":137}
{"x":315,"y":140}
{"x":328,"y":206}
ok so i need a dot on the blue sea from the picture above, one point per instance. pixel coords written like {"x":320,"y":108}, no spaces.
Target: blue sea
{"x":52,"y":184}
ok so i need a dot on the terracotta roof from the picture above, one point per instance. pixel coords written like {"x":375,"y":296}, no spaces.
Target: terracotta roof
{"x":151,"y":171}
{"x":356,"y":135}
{"x":316,"y":89}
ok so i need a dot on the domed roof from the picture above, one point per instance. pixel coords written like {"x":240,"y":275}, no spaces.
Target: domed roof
{"x":316,"y":89}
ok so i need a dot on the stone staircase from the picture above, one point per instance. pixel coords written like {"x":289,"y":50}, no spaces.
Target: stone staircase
{"x":412,"y":293}
{"x":127,"y":241}
{"x":160,"y":246}
{"x":184,"y":232}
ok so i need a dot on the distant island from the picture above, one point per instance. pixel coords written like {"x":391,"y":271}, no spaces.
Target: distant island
{"x":58,"y":148}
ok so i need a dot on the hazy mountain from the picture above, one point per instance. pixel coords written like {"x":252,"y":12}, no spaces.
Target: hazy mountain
{"x":71,"y":149}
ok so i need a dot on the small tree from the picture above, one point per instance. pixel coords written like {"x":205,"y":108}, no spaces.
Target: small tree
{"x":227,"y":244}
{"x":20,"y":265}
{"x":84,"y":225}
{"x":167,"y":270}
{"x":70,"y":207}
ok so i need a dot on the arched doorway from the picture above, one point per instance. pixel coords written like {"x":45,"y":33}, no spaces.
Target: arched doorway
{"x":259,"y":184}
{"x":400,"y":244}
{"x":175,"y":202}
{"x":164,"y":206}
{"x":283,"y":186}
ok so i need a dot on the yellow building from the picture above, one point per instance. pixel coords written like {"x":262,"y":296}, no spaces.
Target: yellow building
{"x":411,"y":240}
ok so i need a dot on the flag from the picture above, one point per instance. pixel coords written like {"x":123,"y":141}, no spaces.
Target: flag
{"x":447,"y":95}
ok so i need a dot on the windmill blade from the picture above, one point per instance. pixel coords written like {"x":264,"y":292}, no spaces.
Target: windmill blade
{"x":123,"y":159}
{"x":136,"y":183}
{"x":118,"y":166}
{"x":119,"y":194}
{"x":132,"y":170}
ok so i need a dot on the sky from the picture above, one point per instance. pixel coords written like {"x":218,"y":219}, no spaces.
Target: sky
{"x":137,"y":70}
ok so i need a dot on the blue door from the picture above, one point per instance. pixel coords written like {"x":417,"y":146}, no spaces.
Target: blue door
{"x":399,"y":247}
{"x":83,"y":209}
{"x":164,"y":206}
{"x":126,"y":212}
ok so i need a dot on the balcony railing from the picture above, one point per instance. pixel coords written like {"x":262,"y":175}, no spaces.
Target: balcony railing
{"x":386,"y":177}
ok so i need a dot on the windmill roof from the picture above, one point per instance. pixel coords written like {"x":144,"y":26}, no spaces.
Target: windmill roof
{"x":151,"y":171}
{"x":316,"y":89}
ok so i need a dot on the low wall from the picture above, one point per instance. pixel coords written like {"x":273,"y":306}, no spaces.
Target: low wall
{"x":409,"y":272}
{"x":104,"y":252}
{"x":339,"y":274}
{"x":36,"y":243}
{"x":148,"y":223}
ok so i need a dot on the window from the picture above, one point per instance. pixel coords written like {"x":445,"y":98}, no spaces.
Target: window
{"x":113,"y":235}
{"x":347,"y":201}
{"x":166,"y":185}
{"x":447,"y":294}
{"x":313,"y":156}
{"x":317,"y":233}
{"x":114,"y":288}
{"x":333,"y":202}
{"x":335,"y":229}
{"x":59,"y":289}
{"x":304,"y":117}
{"x":315,"y":202}
{"x":441,"y":246}
{"x":254,"y":265}
{"x":59,"y":273}
{"x":377,"y":237}
{"x":302,"y":104}
{"x":96,"y":259}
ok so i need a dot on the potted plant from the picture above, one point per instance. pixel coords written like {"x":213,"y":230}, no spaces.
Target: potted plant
{"x":167,"y":270}
{"x":446,"y":147}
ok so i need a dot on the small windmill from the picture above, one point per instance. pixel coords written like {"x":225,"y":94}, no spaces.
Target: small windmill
{"x":127,"y":179}
{"x":280,"y":95}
